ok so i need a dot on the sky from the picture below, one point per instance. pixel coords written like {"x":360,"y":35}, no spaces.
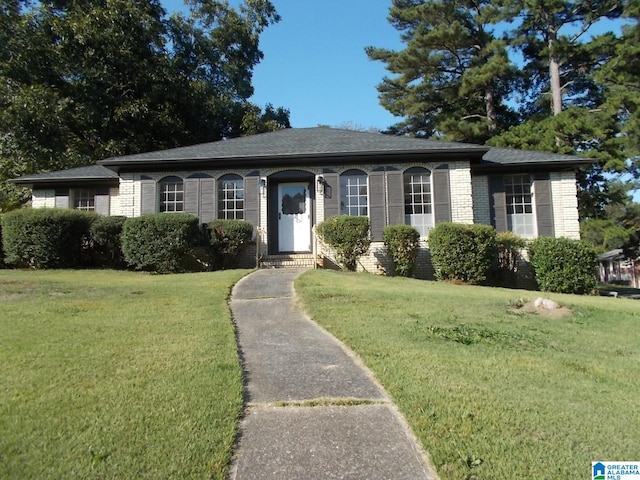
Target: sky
{"x":315,"y":65}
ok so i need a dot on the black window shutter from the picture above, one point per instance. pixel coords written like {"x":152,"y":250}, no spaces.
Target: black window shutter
{"x":544,"y":204}
{"x":395,"y":189}
{"x":207,"y":200}
{"x":441,"y":194}
{"x":377,"y":217}
{"x":102,"y":203}
{"x":331,"y":195}
{"x":251,"y":201}
{"x":62,"y":198}
{"x":191,"y":195}
{"x":498,"y":203}
{"x":148,"y":202}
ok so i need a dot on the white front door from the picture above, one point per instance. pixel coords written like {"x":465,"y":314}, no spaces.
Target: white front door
{"x":294,"y":217}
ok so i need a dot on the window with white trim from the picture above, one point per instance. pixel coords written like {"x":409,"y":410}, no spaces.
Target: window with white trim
{"x":354,"y":197}
{"x":418,"y":203}
{"x":171,"y":194}
{"x":84,"y":199}
{"x":519,"y":199}
{"x":231,"y":197}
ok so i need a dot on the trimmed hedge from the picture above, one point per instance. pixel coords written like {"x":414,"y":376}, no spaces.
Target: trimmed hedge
{"x":562,"y":265}
{"x":228,"y":239}
{"x":46,"y":238}
{"x":402,"y":243}
{"x":461,"y":252}
{"x":161,"y":242}
{"x":106,"y":233}
{"x":348,"y":236}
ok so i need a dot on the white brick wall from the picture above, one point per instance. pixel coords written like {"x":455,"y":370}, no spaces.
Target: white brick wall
{"x":565,"y":205}
{"x":461,"y":195}
{"x":129,"y":195}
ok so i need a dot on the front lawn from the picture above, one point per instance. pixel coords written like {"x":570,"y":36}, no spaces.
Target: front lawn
{"x":493,"y":393}
{"x":117,"y":375}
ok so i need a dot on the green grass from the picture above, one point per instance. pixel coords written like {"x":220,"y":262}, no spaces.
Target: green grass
{"x":493,"y":394}
{"x":117,"y":375}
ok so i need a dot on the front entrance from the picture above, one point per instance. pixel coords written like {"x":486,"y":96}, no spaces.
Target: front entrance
{"x":294,"y":217}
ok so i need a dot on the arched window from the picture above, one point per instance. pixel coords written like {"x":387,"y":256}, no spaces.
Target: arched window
{"x":231,"y":197}
{"x":354,"y":197}
{"x":171,"y":194}
{"x":418,"y":205}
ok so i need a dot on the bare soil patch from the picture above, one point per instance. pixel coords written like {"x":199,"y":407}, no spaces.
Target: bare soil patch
{"x":530,"y":307}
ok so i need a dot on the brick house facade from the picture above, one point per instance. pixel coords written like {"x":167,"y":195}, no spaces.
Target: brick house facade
{"x":288,"y":181}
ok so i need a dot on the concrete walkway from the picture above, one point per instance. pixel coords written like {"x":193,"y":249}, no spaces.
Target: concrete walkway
{"x":291,"y":364}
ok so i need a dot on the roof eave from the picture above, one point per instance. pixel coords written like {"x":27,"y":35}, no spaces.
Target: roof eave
{"x":29,"y":182}
{"x":308,"y":158}
{"x":564,"y":165}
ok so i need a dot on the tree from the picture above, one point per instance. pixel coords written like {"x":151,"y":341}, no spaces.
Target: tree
{"x":454,"y":74}
{"x":81,"y":81}
{"x":620,"y":77}
{"x":618,"y":227}
{"x":563,"y":69}
{"x":550,"y":34}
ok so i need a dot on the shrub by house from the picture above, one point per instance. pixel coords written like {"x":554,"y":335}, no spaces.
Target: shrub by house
{"x":348,"y":236}
{"x":402,"y":243}
{"x":461,"y":252}
{"x":562,"y":265}
{"x":159,"y":242}
{"x":46,"y":238}
{"x":228,"y":239}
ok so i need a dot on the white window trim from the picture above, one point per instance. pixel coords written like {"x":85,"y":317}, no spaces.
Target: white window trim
{"x":222,"y":201}
{"x":422,"y":227}
{"x":349,"y":207}
{"x":532,"y":216}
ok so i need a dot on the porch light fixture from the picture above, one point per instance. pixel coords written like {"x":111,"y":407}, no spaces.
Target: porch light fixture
{"x":321,"y":183}
{"x":263,"y":184}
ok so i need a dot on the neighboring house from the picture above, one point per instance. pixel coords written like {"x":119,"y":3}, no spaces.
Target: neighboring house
{"x":286,"y":182}
{"x":616,"y":267}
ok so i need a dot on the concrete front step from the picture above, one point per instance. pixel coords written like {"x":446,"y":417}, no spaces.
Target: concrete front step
{"x":297,"y":260}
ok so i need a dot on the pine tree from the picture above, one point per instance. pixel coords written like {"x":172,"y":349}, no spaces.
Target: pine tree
{"x":454,"y":74}
{"x":551,"y":35}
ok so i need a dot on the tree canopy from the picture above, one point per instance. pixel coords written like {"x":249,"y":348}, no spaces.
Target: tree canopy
{"x":454,"y":75}
{"x":85,"y":80}
{"x":529,"y":74}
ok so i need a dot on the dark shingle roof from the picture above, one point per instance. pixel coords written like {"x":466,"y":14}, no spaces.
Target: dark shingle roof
{"x":512,"y":156}
{"x":93,"y":173}
{"x":299,"y":142}
{"x":320,"y":145}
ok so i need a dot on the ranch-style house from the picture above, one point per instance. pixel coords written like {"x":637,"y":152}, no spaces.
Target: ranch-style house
{"x":286,"y":182}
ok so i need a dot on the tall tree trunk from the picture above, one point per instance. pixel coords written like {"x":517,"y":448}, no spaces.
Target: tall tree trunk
{"x":554,"y":72}
{"x":490,"y":107}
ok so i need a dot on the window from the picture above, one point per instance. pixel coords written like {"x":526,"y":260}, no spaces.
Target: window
{"x":519,"y":199}
{"x":418,"y":211}
{"x":353,"y":193}
{"x":231,"y":198}
{"x":171,"y":194}
{"x":84,"y":199}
